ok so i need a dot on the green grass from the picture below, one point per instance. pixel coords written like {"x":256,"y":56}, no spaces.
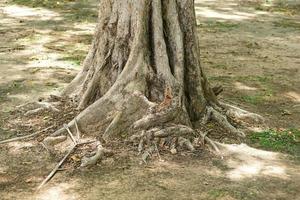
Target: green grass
{"x":11,"y":88}
{"x":219,"y":66}
{"x":217,"y":193}
{"x":287,"y":141}
{"x":252,"y":99}
{"x":75,"y":59}
{"x":287,"y":24}
{"x":251,"y":79}
{"x":74,"y":10}
{"x":257,"y":98}
{"x":281,"y":6}
{"x":41,"y":3}
{"x":218,"y":26}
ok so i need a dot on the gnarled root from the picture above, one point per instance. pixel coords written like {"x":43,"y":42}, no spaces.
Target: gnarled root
{"x":97,"y":155}
{"x":49,"y":142}
{"x":212,"y":143}
{"x":37,"y":107}
{"x":183,"y":142}
{"x":174,"y":134}
{"x":221,"y":119}
{"x":246,"y":118}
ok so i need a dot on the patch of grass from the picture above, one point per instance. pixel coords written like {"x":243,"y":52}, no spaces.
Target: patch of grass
{"x":220,"y":26}
{"x":219,"y":66}
{"x":287,"y":23}
{"x":285,"y":6}
{"x":76,"y":59}
{"x":217,"y":193}
{"x":258,"y":98}
{"x":11,"y":88}
{"x":261,"y":79}
{"x":252,"y":99}
{"x":41,"y":3}
{"x":74,"y":10}
{"x":224,"y":78}
{"x":22,"y":87}
{"x":287,"y":141}
{"x":220,"y":164}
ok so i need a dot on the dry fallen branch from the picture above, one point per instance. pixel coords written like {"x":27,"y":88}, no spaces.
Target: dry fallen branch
{"x":56,"y":168}
{"x":62,"y":138}
{"x":70,"y":134}
{"x":26,"y":136}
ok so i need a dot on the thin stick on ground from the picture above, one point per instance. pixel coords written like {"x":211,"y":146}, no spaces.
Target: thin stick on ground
{"x":77,"y":130}
{"x":56,"y":168}
{"x":70,"y":133}
{"x":26,"y":136}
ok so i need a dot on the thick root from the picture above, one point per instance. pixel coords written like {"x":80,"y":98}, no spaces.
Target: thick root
{"x":49,"y":142}
{"x":52,"y":141}
{"x":156,"y":119}
{"x":243,"y":116}
{"x":213,"y":144}
{"x":112,"y":126}
{"x":148,"y":153}
{"x":223,"y":122}
{"x":183,"y":142}
{"x":37,"y":107}
{"x":98,"y":155}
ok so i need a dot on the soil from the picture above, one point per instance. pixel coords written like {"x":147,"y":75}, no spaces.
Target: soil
{"x":251,"y":49}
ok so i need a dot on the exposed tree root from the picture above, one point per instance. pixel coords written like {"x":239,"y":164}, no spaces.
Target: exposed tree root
{"x":148,"y":153}
{"x":37,"y":107}
{"x":98,"y":155}
{"x":50,"y":142}
{"x":211,"y":142}
{"x":221,"y":119}
{"x":183,"y":142}
{"x":243,"y":116}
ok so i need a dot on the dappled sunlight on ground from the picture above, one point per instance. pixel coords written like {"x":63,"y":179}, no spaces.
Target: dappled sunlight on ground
{"x":40,"y":50}
{"x":60,"y":191}
{"x":209,"y":13}
{"x":248,"y":162}
{"x":229,"y":10}
{"x":242,"y":86}
{"x":18,"y":147}
{"x":23,"y":12}
{"x":294,"y":96}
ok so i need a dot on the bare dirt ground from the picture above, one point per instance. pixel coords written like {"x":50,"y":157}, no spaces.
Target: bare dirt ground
{"x":251,"y":49}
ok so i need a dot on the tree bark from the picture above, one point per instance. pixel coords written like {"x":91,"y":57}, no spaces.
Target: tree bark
{"x":143,"y":73}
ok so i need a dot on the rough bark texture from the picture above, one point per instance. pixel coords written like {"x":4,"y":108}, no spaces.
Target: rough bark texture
{"x":143,"y":73}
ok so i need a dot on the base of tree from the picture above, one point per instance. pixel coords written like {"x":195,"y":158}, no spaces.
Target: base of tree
{"x":142,"y":83}
{"x":154,"y":132}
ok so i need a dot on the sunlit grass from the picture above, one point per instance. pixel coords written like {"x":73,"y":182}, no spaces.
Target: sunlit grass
{"x":286,"y":141}
{"x":287,"y":24}
{"x":74,"y":10}
{"x":218,"y":26}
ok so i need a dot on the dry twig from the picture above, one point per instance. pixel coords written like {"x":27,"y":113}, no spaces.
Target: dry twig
{"x":26,"y":136}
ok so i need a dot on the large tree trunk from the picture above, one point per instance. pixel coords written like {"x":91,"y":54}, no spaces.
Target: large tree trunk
{"x":143,"y":73}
